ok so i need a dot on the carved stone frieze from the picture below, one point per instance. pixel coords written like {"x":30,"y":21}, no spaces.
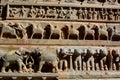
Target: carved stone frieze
{"x":62,"y":13}
{"x":60,"y":30}
{"x":66,"y":58}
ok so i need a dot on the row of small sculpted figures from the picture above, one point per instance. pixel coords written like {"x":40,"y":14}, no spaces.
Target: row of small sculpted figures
{"x":63,"y":59}
{"x":65,"y":13}
{"x":37,"y":31}
{"x":77,"y":1}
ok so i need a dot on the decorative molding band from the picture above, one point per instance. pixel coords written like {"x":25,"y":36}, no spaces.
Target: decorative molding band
{"x":62,"y":12}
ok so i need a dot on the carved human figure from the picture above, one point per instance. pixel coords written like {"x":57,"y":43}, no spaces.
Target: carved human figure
{"x":89,"y":15}
{"x":105,"y":14}
{"x":85,"y":13}
{"x":51,"y":13}
{"x":80,"y":13}
{"x":110,"y":15}
{"x":12,"y":12}
{"x":116,"y":15}
{"x":22,"y":12}
{"x":61,"y":13}
{"x":69,"y":13}
{"x":100,"y":14}
{"x":94,"y":15}
{"x":32,"y":12}
{"x":41,"y":13}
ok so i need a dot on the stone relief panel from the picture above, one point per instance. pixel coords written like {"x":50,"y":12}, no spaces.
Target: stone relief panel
{"x":56,"y":59}
{"x":60,"y":31}
{"x":62,"y":13}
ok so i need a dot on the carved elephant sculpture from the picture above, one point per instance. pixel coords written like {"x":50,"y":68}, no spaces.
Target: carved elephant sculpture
{"x":116,"y":59}
{"x":62,"y":55}
{"x":16,"y":56}
{"x":46,"y":57}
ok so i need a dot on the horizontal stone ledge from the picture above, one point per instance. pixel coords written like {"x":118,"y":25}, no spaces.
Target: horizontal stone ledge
{"x":53,"y":42}
{"x":28,"y":74}
{"x":67,"y":5}
{"x":90,"y":75}
{"x":67,"y":20}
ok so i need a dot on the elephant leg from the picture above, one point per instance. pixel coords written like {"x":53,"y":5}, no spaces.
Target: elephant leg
{"x":76,"y":66}
{"x":20,"y":67}
{"x":40,"y":66}
{"x":93,"y":65}
{"x":66,"y":65}
{"x":102,"y":64}
{"x":114,"y":66}
{"x":84,"y":66}
{"x":88,"y":65}
{"x":97,"y":66}
{"x":55,"y":65}
{"x":80,"y":65}
{"x":61,"y":64}
{"x":5,"y":64}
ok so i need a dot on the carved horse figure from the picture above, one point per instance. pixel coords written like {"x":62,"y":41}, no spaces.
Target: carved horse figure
{"x":6,"y":28}
{"x":55,"y":31}
{"x":73,"y":32}
{"x":37,"y":29}
{"x":100,"y":31}
{"x":86,"y":30}
{"x":112,"y":32}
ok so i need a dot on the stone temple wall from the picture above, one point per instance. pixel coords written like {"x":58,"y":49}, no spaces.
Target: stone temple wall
{"x":59,"y":39}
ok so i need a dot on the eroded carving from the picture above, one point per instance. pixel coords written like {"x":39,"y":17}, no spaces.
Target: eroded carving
{"x":63,"y":13}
